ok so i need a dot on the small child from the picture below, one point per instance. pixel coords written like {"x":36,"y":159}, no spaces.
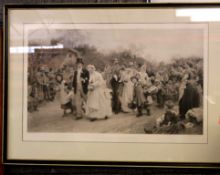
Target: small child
{"x":169,"y":117}
{"x":168,"y":123}
{"x":66,"y":95}
{"x":140,"y":100}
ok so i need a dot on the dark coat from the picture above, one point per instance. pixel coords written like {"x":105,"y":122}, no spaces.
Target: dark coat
{"x":85,"y":77}
{"x":189,"y":100}
{"x":169,"y":116}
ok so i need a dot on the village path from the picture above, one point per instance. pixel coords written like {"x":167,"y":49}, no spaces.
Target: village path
{"x":49,"y":119}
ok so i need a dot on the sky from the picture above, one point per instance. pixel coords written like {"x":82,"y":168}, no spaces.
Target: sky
{"x":152,"y":44}
{"x":159,"y":44}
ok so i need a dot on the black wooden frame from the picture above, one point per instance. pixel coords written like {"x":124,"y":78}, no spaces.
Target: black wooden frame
{"x":99,"y":164}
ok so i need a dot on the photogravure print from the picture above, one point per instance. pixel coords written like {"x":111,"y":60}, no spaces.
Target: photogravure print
{"x":117,"y":79}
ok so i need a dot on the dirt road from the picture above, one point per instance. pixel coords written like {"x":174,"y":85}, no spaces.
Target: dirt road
{"x":49,"y":119}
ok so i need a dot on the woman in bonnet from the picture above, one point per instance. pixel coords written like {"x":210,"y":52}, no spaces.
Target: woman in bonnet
{"x":99,"y":99}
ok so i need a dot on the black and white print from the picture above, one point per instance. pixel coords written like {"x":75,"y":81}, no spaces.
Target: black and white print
{"x":118,"y":80}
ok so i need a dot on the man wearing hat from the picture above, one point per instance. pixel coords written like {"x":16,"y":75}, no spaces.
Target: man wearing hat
{"x":80,"y":86}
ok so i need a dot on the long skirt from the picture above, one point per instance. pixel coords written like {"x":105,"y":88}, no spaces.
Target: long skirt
{"x":99,"y":103}
{"x":127,"y":96}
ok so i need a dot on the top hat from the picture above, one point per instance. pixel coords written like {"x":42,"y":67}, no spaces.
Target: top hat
{"x":79,"y":60}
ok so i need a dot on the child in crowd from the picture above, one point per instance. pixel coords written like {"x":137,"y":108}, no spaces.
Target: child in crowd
{"x":33,"y":97}
{"x":139,"y":100}
{"x":169,"y":117}
{"x":167,"y":123}
{"x":66,"y":98}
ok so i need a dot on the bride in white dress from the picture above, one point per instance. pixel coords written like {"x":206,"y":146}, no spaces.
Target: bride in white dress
{"x":99,"y":98}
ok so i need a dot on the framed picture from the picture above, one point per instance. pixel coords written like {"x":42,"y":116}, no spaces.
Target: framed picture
{"x":100,"y":84}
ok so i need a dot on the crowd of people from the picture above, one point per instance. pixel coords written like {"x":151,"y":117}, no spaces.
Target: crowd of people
{"x":122,"y":88}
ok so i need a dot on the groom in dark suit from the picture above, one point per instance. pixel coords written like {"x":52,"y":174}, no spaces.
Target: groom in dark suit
{"x":80,"y":86}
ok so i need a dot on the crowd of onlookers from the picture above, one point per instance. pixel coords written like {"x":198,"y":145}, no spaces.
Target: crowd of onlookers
{"x":131,"y":88}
